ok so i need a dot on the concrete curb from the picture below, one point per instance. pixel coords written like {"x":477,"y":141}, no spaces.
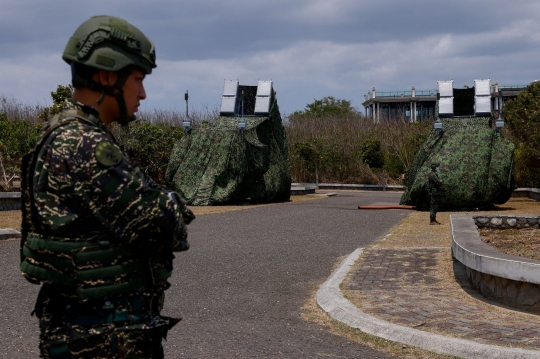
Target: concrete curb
{"x":10,"y":194}
{"x":6,"y":233}
{"x":469,"y":249}
{"x":331,"y":300}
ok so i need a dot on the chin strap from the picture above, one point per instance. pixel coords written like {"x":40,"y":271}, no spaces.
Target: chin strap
{"x":111,"y":91}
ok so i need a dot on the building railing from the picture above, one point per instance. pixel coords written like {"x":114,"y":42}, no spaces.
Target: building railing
{"x":426,"y":93}
{"x":512,"y":87}
{"x":496,"y":88}
{"x":396,"y":94}
{"x":432,"y":93}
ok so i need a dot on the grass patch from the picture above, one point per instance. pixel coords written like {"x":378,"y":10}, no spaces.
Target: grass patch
{"x":415,"y":230}
{"x":202,"y":210}
{"x":523,"y":242}
{"x":12,"y":219}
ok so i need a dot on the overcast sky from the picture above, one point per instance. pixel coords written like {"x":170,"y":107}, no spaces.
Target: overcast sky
{"x":309,"y":48}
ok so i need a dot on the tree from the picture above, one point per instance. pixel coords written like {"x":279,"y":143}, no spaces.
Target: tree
{"x":522,"y":117}
{"x":373,"y":156}
{"x":327,"y":106}
{"x":19,"y":136}
{"x":371,"y":153}
{"x":310,"y":153}
{"x":59,"y":96}
{"x":149,"y":145}
{"x":401,"y":140}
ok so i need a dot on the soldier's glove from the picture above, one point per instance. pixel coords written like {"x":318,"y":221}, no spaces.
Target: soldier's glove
{"x":187,"y":215}
{"x":180,"y":242}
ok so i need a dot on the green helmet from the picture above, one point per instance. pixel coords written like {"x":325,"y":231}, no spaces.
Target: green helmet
{"x":435,"y":164}
{"x":110,"y":43}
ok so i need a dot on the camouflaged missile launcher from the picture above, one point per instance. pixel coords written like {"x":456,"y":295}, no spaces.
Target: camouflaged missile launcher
{"x":219,"y":163}
{"x":476,"y":166}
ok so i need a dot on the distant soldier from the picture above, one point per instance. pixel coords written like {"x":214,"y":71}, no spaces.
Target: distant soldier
{"x":97,"y":232}
{"x":434,"y":186}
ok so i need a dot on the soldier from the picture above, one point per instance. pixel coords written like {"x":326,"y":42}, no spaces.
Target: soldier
{"x":97,"y":232}
{"x":434,"y":186}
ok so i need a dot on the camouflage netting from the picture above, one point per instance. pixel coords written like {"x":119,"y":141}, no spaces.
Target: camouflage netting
{"x":217,"y":164}
{"x":476,"y":166}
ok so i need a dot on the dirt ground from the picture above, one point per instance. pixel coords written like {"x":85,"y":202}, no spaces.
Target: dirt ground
{"x":516,"y":242}
{"x":415,"y":230}
{"x":12,"y":219}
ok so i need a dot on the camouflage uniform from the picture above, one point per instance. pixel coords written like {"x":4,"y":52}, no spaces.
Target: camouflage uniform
{"x":434,"y":185}
{"x":80,"y":186}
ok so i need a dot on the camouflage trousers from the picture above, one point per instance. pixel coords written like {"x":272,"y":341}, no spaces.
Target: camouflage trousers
{"x":104,"y":342}
{"x":433,"y":206}
{"x":128,"y":327}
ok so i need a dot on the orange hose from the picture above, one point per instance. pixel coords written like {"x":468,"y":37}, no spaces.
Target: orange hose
{"x":386,"y":207}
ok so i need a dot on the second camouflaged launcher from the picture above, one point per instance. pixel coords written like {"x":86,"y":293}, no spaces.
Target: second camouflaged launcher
{"x":476,"y":161}
{"x":240,"y":155}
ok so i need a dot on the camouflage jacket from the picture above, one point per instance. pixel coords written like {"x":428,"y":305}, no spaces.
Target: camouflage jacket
{"x":84,"y":186}
{"x":434,"y":183}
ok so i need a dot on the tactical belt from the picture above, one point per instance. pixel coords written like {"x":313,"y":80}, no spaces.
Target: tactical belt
{"x":95,"y":269}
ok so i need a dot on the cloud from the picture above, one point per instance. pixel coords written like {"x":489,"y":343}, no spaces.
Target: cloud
{"x":309,"y":48}
{"x":32,"y":78}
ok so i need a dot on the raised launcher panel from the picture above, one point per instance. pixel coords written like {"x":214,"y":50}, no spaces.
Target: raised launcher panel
{"x":229,"y":99}
{"x":262,"y":99}
{"x":446,"y":98}
{"x":467,"y":102}
{"x":482,"y":97}
{"x":241,"y":100}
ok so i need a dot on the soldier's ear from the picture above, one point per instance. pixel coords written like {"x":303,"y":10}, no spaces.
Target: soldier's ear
{"x":105,"y":78}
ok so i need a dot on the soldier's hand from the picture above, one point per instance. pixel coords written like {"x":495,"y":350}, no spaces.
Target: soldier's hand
{"x":187,"y":215}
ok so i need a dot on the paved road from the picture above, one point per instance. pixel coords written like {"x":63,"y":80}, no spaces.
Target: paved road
{"x":242,"y":284}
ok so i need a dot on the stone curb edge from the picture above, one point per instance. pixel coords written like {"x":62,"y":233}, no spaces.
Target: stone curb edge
{"x":331,"y":300}
{"x":6,"y":233}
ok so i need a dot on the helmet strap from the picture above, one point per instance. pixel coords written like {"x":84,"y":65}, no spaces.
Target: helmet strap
{"x":123,"y":74}
{"x":119,"y":96}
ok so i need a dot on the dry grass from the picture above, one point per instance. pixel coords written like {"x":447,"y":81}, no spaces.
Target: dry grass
{"x":201,"y":210}
{"x":415,"y":230}
{"x":513,"y":241}
{"x":12,"y":219}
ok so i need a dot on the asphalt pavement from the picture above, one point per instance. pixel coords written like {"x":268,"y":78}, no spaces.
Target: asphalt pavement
{"x":241,"y":286}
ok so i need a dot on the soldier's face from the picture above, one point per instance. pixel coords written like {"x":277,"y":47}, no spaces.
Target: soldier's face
{"x":134,"y":91}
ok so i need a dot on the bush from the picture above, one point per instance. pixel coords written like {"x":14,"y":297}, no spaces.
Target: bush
{"x":19,"y":136}
{"x":149,"y":145}
{"x":334,"y":147}
{"x":522,"y":116}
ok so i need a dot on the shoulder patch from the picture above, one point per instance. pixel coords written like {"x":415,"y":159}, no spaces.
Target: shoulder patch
{"x":107,"y":154}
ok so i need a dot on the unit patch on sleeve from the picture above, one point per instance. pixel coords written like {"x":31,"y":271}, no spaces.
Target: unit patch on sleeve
{"x":107,"y":154}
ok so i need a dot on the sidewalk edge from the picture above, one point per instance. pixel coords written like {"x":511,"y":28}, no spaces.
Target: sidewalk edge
{"x":331,"y":300}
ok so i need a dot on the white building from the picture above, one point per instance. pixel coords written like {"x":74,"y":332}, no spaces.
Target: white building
{"x":419,"y":105}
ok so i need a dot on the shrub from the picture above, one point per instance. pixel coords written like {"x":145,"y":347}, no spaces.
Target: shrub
{"x":522,"y":116}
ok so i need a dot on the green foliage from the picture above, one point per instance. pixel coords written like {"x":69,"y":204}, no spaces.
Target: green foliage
{"x":307,"y":151}
{"x":522,"y":117}
{"x":149,"y":145}
{"x":327,"y":106}
{"x":372,"y":154}
{"x":59,"y":96}
{"x":18,"y":137}
{"x":527,"y":170}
